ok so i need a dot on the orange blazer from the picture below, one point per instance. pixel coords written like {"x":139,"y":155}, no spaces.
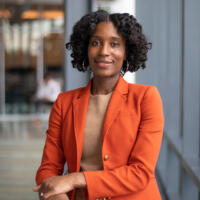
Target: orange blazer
{"x":131,"y":139}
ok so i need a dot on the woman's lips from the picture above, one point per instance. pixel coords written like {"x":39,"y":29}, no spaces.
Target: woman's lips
{"x":103,"y":63}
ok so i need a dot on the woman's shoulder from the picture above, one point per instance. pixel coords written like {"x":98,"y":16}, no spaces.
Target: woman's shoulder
{"x":147,"y":96}
{"x":144,"y":93}
{"x":140,"y":89}
{"x":69,"y":96}
{"x":73,"y":93}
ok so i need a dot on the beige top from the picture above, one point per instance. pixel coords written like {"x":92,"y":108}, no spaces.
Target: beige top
{"x":91,"y":159}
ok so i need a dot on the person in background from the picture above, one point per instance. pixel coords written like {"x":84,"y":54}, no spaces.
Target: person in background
{"x":110,"y":131}
{"x":47,"y":92}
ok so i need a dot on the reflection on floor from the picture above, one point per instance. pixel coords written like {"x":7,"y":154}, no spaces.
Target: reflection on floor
{"x":21,"y":144}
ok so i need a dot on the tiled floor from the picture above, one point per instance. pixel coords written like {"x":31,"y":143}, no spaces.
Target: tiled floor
{"x":21,"y":144}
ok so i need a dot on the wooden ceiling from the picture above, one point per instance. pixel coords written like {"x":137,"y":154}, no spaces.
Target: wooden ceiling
{"x":14,"y":9}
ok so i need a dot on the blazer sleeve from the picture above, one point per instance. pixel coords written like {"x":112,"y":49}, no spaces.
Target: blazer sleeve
{"x":53,"y":158}
{"x":140,"y":168}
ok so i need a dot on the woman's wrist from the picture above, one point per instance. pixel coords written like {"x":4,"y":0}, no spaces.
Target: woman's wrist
{"x":78,"y":180}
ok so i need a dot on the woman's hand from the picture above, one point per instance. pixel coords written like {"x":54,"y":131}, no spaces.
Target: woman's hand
{"x":54,"y":185}
{"x":60,"y":185}
{"x":59,"y":197}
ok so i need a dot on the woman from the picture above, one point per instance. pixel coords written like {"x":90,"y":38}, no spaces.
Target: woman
{"x":110,"y":131}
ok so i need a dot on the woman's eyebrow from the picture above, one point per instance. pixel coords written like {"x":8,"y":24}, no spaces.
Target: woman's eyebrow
{"x":96,"y":36}
{"x":115,"y":38}
{"x":99,"y":37}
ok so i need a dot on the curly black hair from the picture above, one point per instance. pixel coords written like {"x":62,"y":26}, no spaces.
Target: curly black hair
{"x":137,"y":45}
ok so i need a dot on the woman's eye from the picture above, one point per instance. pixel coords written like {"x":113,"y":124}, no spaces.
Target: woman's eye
{"x":114,"y":44}
{"x":95,"y":43}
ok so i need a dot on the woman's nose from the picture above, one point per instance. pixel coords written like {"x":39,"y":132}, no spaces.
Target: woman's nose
{"x":105,"y":50}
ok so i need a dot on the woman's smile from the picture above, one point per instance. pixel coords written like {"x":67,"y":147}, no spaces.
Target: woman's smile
{"x":104,"y":63}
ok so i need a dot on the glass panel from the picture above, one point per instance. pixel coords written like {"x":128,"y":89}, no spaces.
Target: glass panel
{"x":34,"y":45}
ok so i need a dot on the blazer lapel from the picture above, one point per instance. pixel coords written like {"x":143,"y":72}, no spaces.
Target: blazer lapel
{"x":116,"y":103}
{"x":80,"y":105}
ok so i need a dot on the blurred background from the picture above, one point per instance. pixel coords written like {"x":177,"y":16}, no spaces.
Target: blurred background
{"x":34,"y":68}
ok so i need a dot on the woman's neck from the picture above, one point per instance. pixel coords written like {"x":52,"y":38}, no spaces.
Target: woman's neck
{"x":103,"y":85}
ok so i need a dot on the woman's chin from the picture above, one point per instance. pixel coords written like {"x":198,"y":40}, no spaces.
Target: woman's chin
{"x":105,"y":74}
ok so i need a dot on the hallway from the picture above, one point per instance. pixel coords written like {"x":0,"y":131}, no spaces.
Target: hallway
{"x":21,"y":144}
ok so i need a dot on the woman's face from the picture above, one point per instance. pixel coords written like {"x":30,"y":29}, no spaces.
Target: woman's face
{"x":106,"y":50}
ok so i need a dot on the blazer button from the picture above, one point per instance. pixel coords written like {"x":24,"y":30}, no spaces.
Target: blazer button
{"x":106,"y":157}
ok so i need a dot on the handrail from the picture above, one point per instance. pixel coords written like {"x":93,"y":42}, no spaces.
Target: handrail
{"x":191,"y":167}
{"x":23,"y":117}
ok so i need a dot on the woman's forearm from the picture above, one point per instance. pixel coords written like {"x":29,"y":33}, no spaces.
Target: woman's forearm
{"x":79,"y":180}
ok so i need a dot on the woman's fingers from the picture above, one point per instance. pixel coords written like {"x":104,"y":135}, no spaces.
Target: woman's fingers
{"x":43,"y":191}
{"x":49,"y":194}
{"x":56,"y":185}
{"x":59,"y":197}
{"x":36,"y":188}
{"x":51,"y":187}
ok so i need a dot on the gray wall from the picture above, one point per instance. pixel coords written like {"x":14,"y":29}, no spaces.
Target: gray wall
{"x":74,"y":10}
{"x":173,"y":26}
